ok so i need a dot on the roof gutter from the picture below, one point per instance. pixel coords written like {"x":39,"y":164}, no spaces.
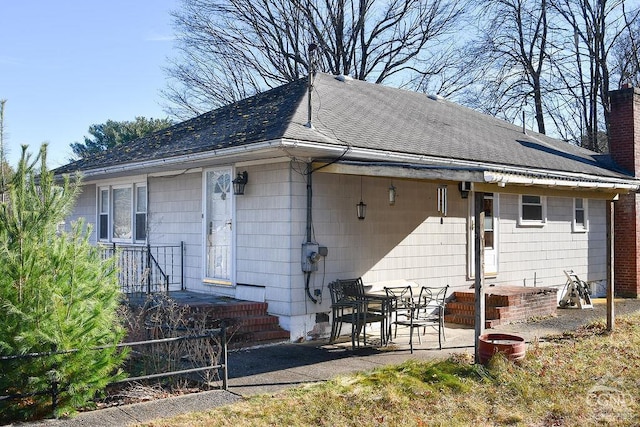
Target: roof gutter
{"x":178,"y":160}
{"x":498,"y":174}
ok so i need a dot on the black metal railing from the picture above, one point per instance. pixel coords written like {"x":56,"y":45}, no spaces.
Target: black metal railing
{"x":55,"y":388}
{"x":148,"y":269}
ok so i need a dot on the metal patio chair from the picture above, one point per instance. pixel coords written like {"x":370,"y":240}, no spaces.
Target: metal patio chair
{"x":400,"y":305}
{"x":427,"y":310}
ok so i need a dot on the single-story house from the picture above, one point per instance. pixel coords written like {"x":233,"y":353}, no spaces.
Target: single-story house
{"x":346,"y":178}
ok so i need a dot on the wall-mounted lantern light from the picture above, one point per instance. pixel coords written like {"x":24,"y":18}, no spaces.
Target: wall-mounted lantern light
{"x":240,"y":182}
{"x":392,"y":195}
{"x":361,"y":210}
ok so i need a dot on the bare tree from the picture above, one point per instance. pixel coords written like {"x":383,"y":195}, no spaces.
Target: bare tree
{"x":513,"y":54}
{"x":626,"y":50}
{"x":595,"y":26}
{"x":231,"y":49}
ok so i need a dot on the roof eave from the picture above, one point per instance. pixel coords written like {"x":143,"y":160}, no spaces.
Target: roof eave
{"x":491,"y":173}
{"x":562,"y":180}
{"x":228,"y":155}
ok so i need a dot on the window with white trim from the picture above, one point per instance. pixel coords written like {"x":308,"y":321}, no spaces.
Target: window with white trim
{"x":122,"y":213}
{"x":580,"y":215}
{"x":103,"y":214}
{"x":533,"y":210}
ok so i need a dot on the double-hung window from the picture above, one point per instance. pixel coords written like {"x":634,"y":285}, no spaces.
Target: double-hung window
{"x":122,"y":213}
{"x":103,"y":214}
{"x":533,"y":210}
{"x":580,"y":215}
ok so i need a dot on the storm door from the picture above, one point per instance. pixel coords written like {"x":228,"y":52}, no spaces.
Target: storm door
{"x":218,"y":220}
{"x":490,"y":236}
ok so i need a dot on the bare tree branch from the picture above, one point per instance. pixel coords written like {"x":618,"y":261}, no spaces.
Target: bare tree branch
{"x":230,"y":49}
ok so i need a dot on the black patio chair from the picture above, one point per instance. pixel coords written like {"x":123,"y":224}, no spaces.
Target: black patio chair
{"x":349,"y":304}
{"x":343,"y":310}
{"x":400,"y":305}
{"x":427,"y":310}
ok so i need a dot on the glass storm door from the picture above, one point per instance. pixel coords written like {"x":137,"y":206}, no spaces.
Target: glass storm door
{"x":490,"y":246}
{"x":490,"y":236}
{"x":218,"y":224}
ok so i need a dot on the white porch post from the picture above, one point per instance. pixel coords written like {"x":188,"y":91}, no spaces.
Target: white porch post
{"x":610,"y":266}
{"x":479,"y":270}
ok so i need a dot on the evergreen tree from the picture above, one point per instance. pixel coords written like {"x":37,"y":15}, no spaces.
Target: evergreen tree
{"x":56,"y":294}
{"x":112,"y":133}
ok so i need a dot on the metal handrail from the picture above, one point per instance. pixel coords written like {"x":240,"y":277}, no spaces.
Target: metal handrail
{"x":147,"y":269}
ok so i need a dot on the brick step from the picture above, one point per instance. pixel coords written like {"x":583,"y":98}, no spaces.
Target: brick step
{"x":258,"y":323}
{"x":460,"y":296}
{"x":503,"y":305}
{"x":461,"y":319}
{"x":469,"y":309}
{"x":236,"y":310}
{"x":248,"y":322}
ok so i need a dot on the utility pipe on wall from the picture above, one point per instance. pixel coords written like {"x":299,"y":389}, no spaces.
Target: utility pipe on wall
{"x":309,"y":219}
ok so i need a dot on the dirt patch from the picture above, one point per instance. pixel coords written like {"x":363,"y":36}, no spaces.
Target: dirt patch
{"x":126,"y":394}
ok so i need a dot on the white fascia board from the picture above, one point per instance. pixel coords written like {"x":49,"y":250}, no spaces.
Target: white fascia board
{"x":566,"y":180}
{"x":308,"y":150}
{"x":225,"y":153}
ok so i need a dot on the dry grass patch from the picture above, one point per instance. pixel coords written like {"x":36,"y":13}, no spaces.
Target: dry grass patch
{"x":586,"y":377}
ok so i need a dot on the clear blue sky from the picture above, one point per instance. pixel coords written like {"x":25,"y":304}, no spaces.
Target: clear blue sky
{"x":68,"y":64}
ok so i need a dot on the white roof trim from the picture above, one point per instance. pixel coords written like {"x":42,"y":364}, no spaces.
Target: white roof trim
{"x":567,"y":181}
{"x":181,"y":160}
{"x":306,"y":150}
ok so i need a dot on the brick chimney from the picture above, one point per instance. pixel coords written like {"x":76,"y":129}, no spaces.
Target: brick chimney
{"x":624,"y":145}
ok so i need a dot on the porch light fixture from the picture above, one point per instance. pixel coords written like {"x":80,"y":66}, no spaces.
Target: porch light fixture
{"x":240,"y":182}
{"x":361,"y":208}
{"x":392,"y":195}
{"x":465,"y":188}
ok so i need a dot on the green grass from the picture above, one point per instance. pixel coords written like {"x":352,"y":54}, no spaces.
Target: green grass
{"x":586,"y":377}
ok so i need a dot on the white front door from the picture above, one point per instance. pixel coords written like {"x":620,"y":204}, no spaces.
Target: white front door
{"x":490,"y":236}
{"x":218,"y":220}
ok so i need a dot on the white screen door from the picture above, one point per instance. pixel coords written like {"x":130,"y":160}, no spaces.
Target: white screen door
{"x":218,"y":224}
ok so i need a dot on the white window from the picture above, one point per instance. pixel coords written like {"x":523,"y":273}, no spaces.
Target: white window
{"x":533,"y":210}
{"x":141,"y":213}
{"x":580,"y":215}
{"x":103,"y":216}
{"x":122,"y":213}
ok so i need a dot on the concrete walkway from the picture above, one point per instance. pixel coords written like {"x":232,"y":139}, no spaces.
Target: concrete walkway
{"x":273,"y":368}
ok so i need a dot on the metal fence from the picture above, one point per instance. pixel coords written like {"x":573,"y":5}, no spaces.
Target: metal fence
{"x":55,"y":389}
{"x":148,"y":269}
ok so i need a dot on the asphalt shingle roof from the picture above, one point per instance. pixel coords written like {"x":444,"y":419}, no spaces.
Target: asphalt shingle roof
{"x":383,"y":118}
{"x":359,"y":114}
